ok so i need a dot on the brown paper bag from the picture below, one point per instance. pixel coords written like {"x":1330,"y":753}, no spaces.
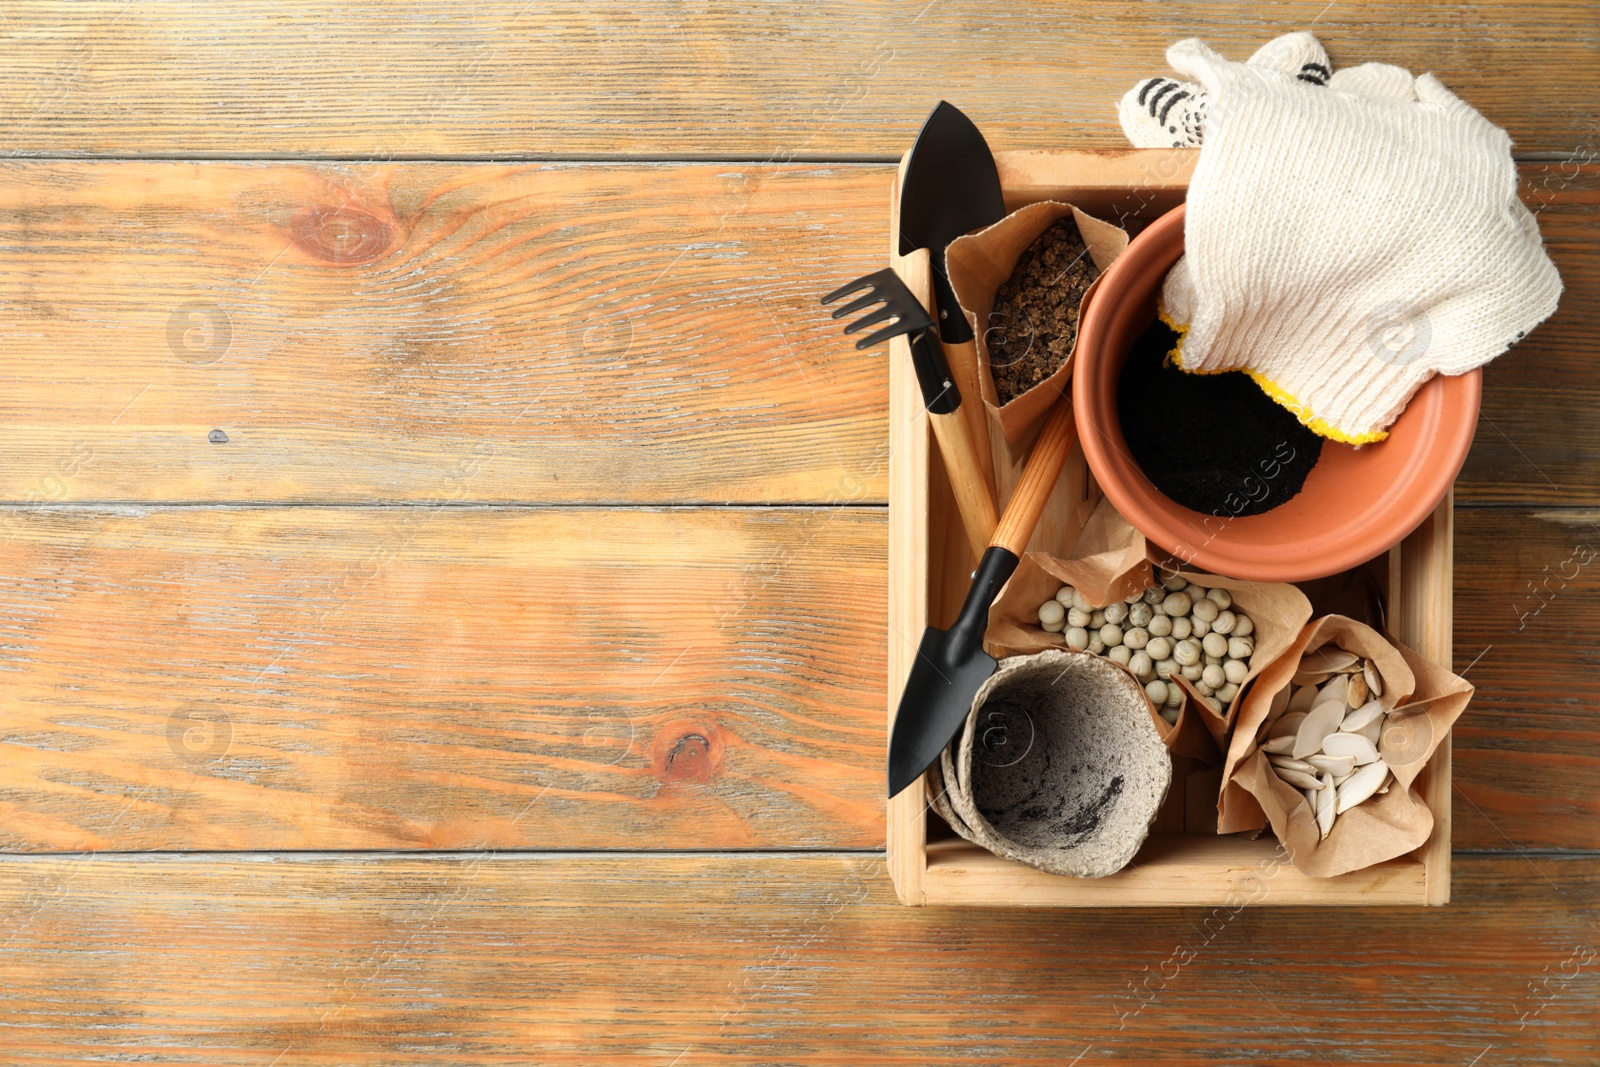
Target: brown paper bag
{"x":978,"y":264}
{"x":1427,"y":700}
{"x":1200,"y":732}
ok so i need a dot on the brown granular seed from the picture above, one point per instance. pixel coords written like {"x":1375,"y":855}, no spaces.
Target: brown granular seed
{"x":1034,"y":323}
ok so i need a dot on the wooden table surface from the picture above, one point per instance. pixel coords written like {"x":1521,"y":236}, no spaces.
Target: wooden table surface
{"x":443,"y":552}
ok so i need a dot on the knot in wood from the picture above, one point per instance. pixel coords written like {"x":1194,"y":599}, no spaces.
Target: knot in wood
{"x":688,"y":751}
{"x":342,"y":235}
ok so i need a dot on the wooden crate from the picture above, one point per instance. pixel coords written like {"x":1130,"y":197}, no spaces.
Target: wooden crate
{"x":928,"y":576}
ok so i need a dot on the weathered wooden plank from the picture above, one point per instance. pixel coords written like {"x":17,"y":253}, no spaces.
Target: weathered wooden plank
{"x":656,"y":959}
{"x":566,"y":333}
{"x":291,"y":678}
{"x":366,"y":332}
{"x":727,"y":78}
{"x":1538,"y":441}
{"x":1527,"y":600}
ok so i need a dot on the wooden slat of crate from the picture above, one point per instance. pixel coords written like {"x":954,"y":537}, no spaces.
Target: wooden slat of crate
{"x":1170,"y":871}
{"x":1421,"y":614}
{"x":1129,"y":187}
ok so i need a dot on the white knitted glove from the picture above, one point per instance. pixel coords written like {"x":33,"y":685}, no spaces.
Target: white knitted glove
{"x":1163,"y":113}
{"x":1345,"y":243}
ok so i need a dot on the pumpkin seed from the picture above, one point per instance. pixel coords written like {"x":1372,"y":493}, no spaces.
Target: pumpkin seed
{"x":1373,"y":679}
{"x":1290,"y":763}
{"x":1327,"y":796}
{"x":1320,"y":721}
{"x":1361,"y":785}
{"x":1354,"y":745}
{"x":1299,"y":778}
{"x":1338,"y":766}
{"x":1370,"y":711}
{"x":1328,"y":659}
{"x":1288,"y":725}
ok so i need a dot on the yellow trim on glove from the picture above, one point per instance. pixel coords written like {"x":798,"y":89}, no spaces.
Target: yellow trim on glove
{"x":1320,"y":427}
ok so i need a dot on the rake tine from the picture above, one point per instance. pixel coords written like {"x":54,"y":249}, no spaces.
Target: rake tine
{"x":874,"y":297}
{"x":873,"y":318}
{"x":881,"y":336}
{"x":866,"y":281}
{"x":889,"y":301}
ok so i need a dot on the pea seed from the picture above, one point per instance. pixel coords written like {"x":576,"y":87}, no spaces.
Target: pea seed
{"x":1170,"y":630}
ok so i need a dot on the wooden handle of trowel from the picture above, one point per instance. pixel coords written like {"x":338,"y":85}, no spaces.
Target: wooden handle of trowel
{"x":968,"y":480}
{"x":948,"y":410}
{"x":1038,"y":480}
{"x":963,"y":360}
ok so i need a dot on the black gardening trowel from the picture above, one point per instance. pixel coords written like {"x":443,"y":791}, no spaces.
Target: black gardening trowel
{"x":951,"y":664}
{"x":951,"y":187}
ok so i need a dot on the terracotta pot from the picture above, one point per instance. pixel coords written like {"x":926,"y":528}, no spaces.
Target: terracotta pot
{"x":1356,"y":502}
